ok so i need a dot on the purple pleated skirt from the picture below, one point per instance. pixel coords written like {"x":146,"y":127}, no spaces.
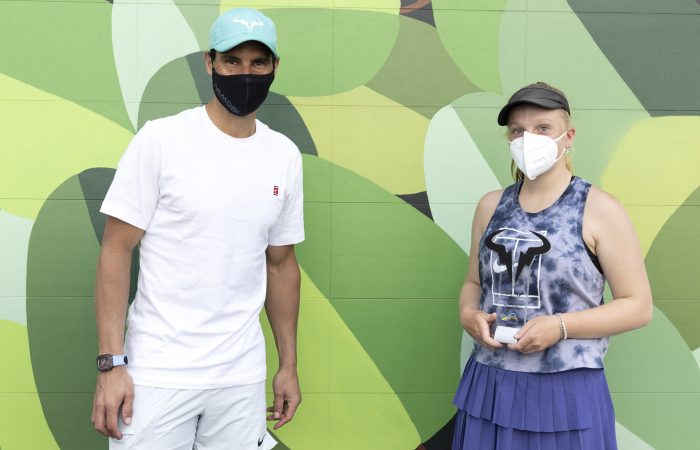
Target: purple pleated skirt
{"x":507,"y":410}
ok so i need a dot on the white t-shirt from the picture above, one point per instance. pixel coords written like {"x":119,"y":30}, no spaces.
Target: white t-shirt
{"x":210,"y":205}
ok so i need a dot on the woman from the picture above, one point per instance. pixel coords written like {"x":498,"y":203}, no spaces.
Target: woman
{"x":533,"y":299}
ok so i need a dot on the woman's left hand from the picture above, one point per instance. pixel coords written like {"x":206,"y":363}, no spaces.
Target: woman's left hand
{"x":538,"y":334}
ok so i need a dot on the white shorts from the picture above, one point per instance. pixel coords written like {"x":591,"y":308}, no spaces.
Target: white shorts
{"x":230,"y":418}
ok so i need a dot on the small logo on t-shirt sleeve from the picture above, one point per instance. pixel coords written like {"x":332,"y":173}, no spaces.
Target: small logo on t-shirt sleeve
{"x":276,"y":191}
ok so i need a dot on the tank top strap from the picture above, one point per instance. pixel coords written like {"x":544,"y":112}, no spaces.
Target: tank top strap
{"x":575,"y":200}
{"x":509,"y":198}
{"x":508,"y":205}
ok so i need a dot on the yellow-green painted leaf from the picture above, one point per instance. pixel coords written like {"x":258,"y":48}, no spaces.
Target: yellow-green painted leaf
{"x":383,"y":144}
{"x":656,"y":164}
{"x":317,"y":116}
{"x":22,"y":423}
{"x":326,"y":344}
{"x":50,"y":140}
{"x":65,"y":48}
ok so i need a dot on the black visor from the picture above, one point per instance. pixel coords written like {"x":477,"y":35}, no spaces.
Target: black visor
{"x":538,"y":96}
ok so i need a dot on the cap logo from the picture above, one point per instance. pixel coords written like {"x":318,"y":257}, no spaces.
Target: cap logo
{"x":249,"y":25}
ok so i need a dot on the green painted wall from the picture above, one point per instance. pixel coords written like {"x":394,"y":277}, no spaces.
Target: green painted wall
{"x":393,"y":104}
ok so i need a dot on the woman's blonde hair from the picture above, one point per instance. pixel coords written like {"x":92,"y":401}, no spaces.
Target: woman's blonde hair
{"x":517,"y":174}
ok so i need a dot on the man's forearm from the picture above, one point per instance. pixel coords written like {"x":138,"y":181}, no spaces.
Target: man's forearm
{"x":282,"y":306}
{"x":111,"y":298}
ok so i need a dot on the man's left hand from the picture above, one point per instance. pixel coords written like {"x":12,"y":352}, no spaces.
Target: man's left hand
{"x":287,"y":396}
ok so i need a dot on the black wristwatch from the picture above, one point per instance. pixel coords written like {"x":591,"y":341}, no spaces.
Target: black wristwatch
{"x":107,"y":361}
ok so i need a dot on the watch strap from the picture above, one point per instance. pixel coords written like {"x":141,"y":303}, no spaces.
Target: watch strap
{"x":119,"y":360}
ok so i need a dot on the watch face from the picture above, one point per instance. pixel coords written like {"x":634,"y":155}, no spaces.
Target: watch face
{"x":104,"y":363}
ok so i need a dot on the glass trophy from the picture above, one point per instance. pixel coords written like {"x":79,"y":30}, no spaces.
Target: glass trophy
{"x":510,"y":319}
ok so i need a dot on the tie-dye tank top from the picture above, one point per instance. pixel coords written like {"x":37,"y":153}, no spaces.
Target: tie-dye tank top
{"x":535,"y":264}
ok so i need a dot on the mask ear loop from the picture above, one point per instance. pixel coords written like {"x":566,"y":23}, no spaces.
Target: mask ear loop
{"x":566,"y":149}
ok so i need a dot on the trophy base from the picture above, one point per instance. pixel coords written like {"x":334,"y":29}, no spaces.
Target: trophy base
{"x":505,"y":335}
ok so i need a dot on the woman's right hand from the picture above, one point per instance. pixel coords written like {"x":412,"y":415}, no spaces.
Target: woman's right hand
{"x":478,"y":324}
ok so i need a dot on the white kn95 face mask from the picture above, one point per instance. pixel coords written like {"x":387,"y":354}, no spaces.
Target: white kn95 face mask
{"x":534,"y":154}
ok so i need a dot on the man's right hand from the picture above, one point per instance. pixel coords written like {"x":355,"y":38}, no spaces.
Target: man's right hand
{"x":478,"y":324}
{"x":114,"y":389}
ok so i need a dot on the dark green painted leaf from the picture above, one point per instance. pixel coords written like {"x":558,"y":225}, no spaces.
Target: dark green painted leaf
{"x":185,"y":83}
{"x":61,"y":263}
{"x":63,"y":251}
{"x":658,"y":57}
{"x":280,"y":115}
{"x":395,"y":282}
{"x":174,"y":88}
{"x":670,"y":268}
{"x":472,"y":38}
{"x":419,"y":73}
{"x":636,"y":6}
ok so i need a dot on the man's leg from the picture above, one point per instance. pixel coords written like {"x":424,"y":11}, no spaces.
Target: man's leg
{"x":163,"y":419}
{"x":234,"y":418}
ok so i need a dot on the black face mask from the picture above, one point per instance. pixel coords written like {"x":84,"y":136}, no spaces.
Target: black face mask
{"x":241,"y":94}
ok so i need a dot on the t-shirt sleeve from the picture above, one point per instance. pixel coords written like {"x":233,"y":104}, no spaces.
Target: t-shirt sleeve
{"x":289,"y":228}
{"x":134,"y":192}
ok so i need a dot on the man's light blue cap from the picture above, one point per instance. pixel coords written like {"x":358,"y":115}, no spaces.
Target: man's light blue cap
{"x":240,"y":25}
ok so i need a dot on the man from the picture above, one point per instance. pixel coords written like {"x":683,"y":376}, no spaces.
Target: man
{"x":214,"y":199}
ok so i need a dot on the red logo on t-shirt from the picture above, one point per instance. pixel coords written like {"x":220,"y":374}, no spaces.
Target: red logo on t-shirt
{"x":276,"y":191}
